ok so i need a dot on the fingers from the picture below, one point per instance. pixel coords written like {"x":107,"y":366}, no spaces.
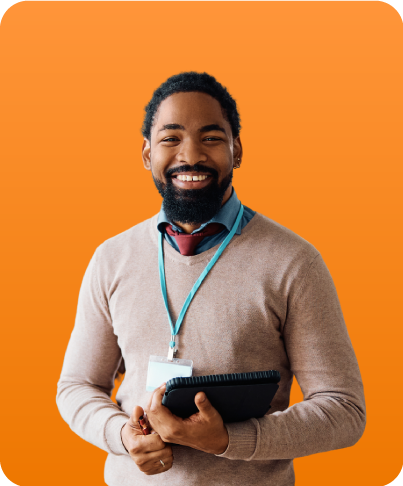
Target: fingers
{"x":151,"y":463}
{"x":160,"y":417}
{"x":156,"y":399}
{"x":200,"y":398}
{"x":138,"y":422}
{"x":165,"y":455}
{"x":137,"y":413}
{"x":134,"y":420}
{"x":133,"y":438}
{"x":143,"y":444}
{"x":147,"y":451}
{"x":204,"y":406}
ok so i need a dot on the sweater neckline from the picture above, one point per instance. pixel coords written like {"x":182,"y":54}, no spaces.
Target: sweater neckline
{"x":174,"y":255}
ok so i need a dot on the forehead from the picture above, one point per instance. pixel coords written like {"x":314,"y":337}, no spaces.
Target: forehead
{"x":191,"y":110}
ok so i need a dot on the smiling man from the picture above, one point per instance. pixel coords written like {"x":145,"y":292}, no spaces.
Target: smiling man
{"x":268,"y":302}
{"x":193,"y":191}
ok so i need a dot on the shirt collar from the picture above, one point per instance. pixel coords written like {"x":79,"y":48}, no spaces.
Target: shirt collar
{"x":226,"y":216}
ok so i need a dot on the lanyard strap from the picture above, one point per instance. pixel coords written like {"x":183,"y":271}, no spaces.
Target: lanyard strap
{"x":224,"y":244}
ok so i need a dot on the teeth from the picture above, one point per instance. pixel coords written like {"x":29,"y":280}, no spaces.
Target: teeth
{"x":190,"y":178}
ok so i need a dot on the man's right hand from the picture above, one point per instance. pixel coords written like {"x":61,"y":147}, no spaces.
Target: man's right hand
{"x":147,"y":451}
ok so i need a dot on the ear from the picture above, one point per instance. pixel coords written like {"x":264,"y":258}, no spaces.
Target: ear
{"x":237,"y":151}
{"x":146,"y":154}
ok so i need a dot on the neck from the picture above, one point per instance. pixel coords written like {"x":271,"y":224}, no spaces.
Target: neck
{"x":189,"y":228}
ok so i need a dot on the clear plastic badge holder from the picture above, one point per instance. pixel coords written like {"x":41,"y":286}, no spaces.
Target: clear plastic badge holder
{"x":161,"y":369}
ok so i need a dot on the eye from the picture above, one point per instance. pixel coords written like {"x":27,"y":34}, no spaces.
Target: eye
{"x":169,"y":139}
{"x":212,"y":138}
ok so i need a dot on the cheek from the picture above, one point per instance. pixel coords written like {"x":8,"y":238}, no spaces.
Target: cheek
{"x":158,"y":167}
{"x":226,"y":156}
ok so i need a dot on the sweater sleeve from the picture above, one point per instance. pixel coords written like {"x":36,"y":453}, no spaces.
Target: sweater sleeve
{"x":89,"y":369}
{"x":332,"y":414}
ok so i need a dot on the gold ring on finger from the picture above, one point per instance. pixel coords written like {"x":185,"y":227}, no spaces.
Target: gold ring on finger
{"x":163,"y":463}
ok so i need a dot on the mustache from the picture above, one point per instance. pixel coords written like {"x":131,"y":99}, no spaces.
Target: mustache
{"x":191,"y":168}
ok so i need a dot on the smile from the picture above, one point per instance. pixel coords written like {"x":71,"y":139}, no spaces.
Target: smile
{"x":191,"y":180}
{"x":182,"y":177}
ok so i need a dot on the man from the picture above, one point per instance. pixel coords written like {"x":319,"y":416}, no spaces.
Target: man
{"x":269,"y":302}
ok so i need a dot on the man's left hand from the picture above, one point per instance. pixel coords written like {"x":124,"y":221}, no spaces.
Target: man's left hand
{"x":204,"y":430}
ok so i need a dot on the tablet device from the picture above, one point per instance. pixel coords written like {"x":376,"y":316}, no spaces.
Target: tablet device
{"x":236,"y":396}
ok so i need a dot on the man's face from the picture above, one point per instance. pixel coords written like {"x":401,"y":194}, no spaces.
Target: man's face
{"x":190,"y":138}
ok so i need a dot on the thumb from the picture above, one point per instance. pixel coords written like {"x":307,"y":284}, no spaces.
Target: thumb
{"x":136,"y":414}
{"x":204,"y":405}
{"x":134,"y":419}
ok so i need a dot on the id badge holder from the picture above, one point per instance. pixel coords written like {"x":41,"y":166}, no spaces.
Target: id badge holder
{"x":161,"y":369}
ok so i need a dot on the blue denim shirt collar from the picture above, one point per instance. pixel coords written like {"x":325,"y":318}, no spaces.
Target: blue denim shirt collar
{"x":226,"y":216}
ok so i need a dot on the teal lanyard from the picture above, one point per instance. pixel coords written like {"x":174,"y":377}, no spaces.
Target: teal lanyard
{"x":224,"y":244}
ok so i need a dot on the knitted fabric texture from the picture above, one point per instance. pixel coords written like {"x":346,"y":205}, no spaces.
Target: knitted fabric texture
{"x":268,"y":303}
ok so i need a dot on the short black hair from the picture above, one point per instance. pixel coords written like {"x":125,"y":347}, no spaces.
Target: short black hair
{"x":192,"y":81}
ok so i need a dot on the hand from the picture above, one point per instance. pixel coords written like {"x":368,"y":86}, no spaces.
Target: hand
{"x":204,"y":430}
{"x":146,"y":450}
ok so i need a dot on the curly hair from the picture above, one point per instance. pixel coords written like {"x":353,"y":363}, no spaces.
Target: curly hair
{"x":192,"y":81}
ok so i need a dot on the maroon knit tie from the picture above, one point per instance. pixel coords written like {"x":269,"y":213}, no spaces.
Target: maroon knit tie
{"x":187,"y":243}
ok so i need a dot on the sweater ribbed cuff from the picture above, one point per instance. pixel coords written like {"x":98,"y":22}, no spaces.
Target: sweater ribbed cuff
{"x":112,"y":434}
{"x":242,"y":441}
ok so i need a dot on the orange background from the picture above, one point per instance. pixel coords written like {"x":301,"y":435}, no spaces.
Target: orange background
{"x":318,"y":85}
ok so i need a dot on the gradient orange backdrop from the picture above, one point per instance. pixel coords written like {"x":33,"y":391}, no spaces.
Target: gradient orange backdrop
{"x":319,"y":89}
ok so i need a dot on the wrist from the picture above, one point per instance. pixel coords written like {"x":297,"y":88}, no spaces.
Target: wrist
{"x":121,"y":438}
{"x":221,"y":444}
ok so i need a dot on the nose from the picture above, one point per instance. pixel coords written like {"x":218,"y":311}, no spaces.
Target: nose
{"x":191,"y":152}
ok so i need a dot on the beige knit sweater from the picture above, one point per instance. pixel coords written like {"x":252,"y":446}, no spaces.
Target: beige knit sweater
{"x":268,"y":303}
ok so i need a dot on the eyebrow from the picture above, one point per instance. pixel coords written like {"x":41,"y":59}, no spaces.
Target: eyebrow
{"x":206,"y":128}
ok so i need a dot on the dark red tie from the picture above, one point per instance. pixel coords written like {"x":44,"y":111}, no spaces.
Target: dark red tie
{"x":187,"y":243}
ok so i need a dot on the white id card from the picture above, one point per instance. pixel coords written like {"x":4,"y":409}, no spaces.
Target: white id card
{"x":160,"y":370}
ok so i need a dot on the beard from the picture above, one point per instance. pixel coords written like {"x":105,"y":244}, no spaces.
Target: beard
{"x":192,"y":206}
